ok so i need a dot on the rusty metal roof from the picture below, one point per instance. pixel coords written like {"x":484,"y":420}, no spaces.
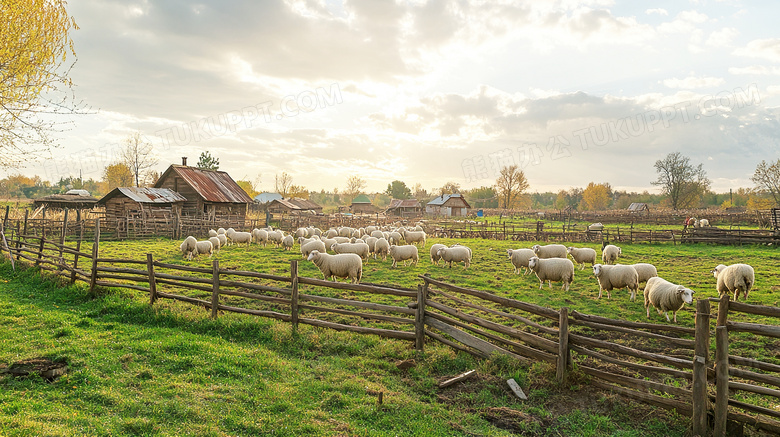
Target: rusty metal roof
{"x":66,"y":201}
{"x":145,"y":195}
{"x":211,"y":185}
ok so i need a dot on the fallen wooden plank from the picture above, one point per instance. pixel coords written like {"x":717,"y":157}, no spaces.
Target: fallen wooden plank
{"x":461,"y":377}
{"x":516,"y":388}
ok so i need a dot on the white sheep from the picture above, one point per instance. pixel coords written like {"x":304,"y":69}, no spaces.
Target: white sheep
{"x":371,"y":241}
{"x":616,"y":276}
{"x":300,"y":232}
{"x":328,"y":242}
{"x":595,"y":227}
{"x":394,"y":237}
{"x":330,"y":233}
{"x":414,"y":237}
{"x":276,"y":237}
{"x":645,"y":271}
{"x":343,"y":265}
{"x":189,"y":247}
{"x":404,"y":253}
{"x":222,"y":240}
{"x":455,"y":254}
{"x":221,"y":231}
{"x":342,"y":239}
{"x":520,"y":258}
{"x":309,"y":246}
{"x":610,"y":253}
{"x":553,"y":269}
{"x":582,"y":255}
{"x":666,"y":296}
{"x":204,"y":247}
{"x":435,"y":253}
{"x":260,"y":236}
{"x":382,"y":248}
{"x":215,"y":243}
{"x":345,"y":232}
{"x":288,"y":242}
{"x":702,"y":223}
{"x":239,"y":237}
{"x":377,"y":233}
{"x":549,"y":251}
{"x":735,"y":278}
{"x":212,"y":233}
{"x":361,"y":249}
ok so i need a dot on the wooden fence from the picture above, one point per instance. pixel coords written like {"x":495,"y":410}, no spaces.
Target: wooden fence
{"x":663,"y":365}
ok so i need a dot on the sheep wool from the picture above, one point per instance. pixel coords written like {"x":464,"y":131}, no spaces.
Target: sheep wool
{"x":361,"y":249}
{"x":343,"y":265}
{"x":204,"y":247}
{"x":288,"y":242}
{"x":610,"y":254}
{"x":582,"y":255}
{"x":553,"y":269}
{"x":310,"y":246}
{"x":414,"y":237}
{"x":520,"y":258}
{"x":435,"y":258}
{"x":456,"y":254}
{"x":666,"y":296}
{"x":215,"y":243}
{"x":189,"y":247}
{"x":645,"y":271}
{"x":212,"y":233}
{"x":260,"y":236}
{"x":404,"y":253}
{"x":239,"y":237}
{"x":616,"y":276}
{"x":550,"y":251}
{"x":382,"y":248}
{"x":736,"y":278}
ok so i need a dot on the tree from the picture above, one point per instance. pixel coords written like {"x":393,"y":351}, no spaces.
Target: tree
{"x":510,"y":184}
{"x":35,"y":47}
{"x":767,"y":179}
{"x":207,"y":162}
{"x":118,"y":175}
{"x":282,"y":183}
{"x":355,"y":186}
{"x":138,"y":156}
{"x":680,"y":180}
{"x":298,"y":191}
{"x":568,"y":199}
{"x":596,"y":197}
{"x":247,"y":187}
{"x":449,"y":188}
{"x":398,"y":190}
{"x":482,"y":197}
{"x":419,"y":192}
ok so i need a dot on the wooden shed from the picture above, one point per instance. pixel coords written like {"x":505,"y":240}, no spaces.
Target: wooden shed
{"x":295,"y":205}
{"x":362,"y":205}
{"x":448,"y":205}
{"x":123,"y":202}
{"x":639,"y":208}
{"x":211,"y":194}
{"x":404,"y":207}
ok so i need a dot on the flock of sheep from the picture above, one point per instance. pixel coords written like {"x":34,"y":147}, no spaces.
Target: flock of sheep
{"x":350,"y":247}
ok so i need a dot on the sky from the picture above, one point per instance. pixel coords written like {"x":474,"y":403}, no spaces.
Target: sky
{"x":428,"y":92}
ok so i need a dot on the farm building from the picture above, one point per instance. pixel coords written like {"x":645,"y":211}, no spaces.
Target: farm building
{"x":74,"y":199}
{"x":123,"y":202}
{"x":448,"y":205}
{"x":362,"y":205}
{"x":639,"y":207}
{"x":211,"y":194}
{"x":404,"y":207}
{"x":295,"y":205}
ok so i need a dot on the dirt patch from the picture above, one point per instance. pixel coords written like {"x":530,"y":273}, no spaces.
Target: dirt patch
{"x":46,"y":368}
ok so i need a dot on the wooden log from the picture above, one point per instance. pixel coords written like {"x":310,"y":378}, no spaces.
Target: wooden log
{"x":228,"y":272}
{"x":118,"y":285}
{"x":723,"y":310}
{"x":753,"y":328}
{"x":419,"y":317}
{"x":182,"y":285}
{"x":760,"y":310}
{"x":193,"y":279}
{"x":77,"y":251}
{"x":260,"y":313}
{"x":753,"y":408}
{"x":294,"y":293}
{"x":682,"y":408}
{"x":752,"y":388}
{"x":355,"y":287}
{"x":455,"y":345}
{"x":699,"y":401}
{"x":672,"y":340}
{"x":254,"y":296}
{"x":389,"y":333}
{"x":40,"y":251}
{"x":192,"y":300}
{"x":392,"y":319}
{"x":640,"y":384}
{"x":215,"y":289}
{"x":582,"y":340}
{"x":763,"y":378}
{"x":183,"y":268}
{"x":122,"y":277}
{"x":629,"y":364}
{"x":122,"y":261}
{"x":122,"y":270}
{"x":252,"y":286}
{"x":564,"y":357}
{"x":356,"y":303}
{"x":626,"y":324}
{"x":459,"y":378}
{"x":64,"y":230}
{"x":722,"y":376}
{"x":750,"y":362}
{"x":95,"y":251}
{"x":468,"y":339}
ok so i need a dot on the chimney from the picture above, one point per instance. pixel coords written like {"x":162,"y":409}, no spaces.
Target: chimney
{"x":183,"y":160}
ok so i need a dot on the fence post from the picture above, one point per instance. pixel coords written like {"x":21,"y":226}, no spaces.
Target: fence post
{"x":700,"y":399}
{"x":215,"y":288}
{"x":294,"y":294}
{"x":722,"y":379}
{"x":78,"y":246}
{"x":563,"y":346}
{"x":62,"y":237}
{"x":5,"y":219}
{"x":40,"y":251}
{"x":723,"y":310}
{"x":95,"y":252}
{"x":152,"y":280}
{"x":419,"y":317}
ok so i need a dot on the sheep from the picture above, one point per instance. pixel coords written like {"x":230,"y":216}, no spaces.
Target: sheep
{"x":345,"y":231}
{"x":610,"y":254}
{"x":553,"y":269}
{"x":260,"y":236}
{"x":222,"y":240}
{"x":342,"y":239}
{"x":666,"y":296}
{"x":382,"y":248}
{"x":595,"y":227}
{"x":239,"y":237}
{"x":370,"y":229}
{"x":276,"y":237}
{"x":455,"y":254}
{"x":300,"y":232}
{"x":189,"y":247}
{"x":582,"y":255}
{"x":212,"y":233}
{"x":204,"y":247}
{"x":394,"y":237}
{"x":549,"y":251}
{"x":215,"y":243}
{"x":519,"y":258}
{"x":343,"y":265}
{"x":288,"y":242}
{"x":377,"y":233}
{"x":414,"y":237}
{"x":702,"y":223}
{"x":360,"y":249}
{"x":435,"y":253}
{"x":736,"y":277}
{"x":328,"y":242}
{"x":330,"y":233}
{"x":645,"y":271}
{"x":221,"y":231}
{"x":371,"y":241}
{"x":404,"y":253}
{"x":616,"y":276}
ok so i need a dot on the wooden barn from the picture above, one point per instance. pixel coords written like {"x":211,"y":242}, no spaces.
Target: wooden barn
{"x":295,"y":205}
{"x":404,"y":208}
{"x":448,"y":205}
{"x":210,"y":194}
{"x":362,"y":205}
{"x":123,"y":202}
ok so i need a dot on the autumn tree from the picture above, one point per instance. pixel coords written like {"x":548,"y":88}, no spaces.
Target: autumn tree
{"x":419,"y":192}
{"x":767,"y":179}
{"x":282,"y":183}
{"x":298,"y":191}
{"x":680,"y":180}
{"x":510,"y":185}
{"x":138,"y":155}
{"x":248,"y":188}
{"x":207,"y":162}
{"x":398,"y":190}
{"x":355,"y":186}
{"x":35,"y":56}
{"x":449,"y":188}
{"x":596,"y":197}
{"x":570,"y":198}
{"x":482,"y":197}
{"x":118,"y":175}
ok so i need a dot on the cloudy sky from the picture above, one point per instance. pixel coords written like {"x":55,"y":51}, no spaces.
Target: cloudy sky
{"x":429,"y":91}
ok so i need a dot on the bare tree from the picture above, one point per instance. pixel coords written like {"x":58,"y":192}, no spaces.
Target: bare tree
{"x":138,"y":156}
{"x":355,"y":186}
{"x":450,"y":188}
{"x":680,"y":180}
{"x":767,"y":179}
{"x":282,"y":183}
{"x":510,"y":184}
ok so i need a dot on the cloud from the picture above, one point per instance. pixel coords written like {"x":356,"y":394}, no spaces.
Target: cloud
{"x":659,"y":11}
{"x":692,"y":82}
{"x":768,"y":49}
{"x":755,"y":70}
{"x":722,"y":38}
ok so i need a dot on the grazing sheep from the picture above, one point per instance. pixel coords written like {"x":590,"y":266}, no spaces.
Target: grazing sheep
{"x":371,"y":241}
{"x":520,"y":258}
{"x":189,"y":247}
{"x":645,"y":271}
{"x":370,"y":229}
{"x":342,"y":239}
{"x":360,"y":249}
{"x":288,"y":242}
{"x":330,"y":233}
{"x":212,"y":233}
{"x":394,"y":237}
{"x":610,"y":254}
{"x":309,"y":246}
{"x":666,"y":296}
{"x":595,"y":227}
{"x":239,"y":237}
{"x":221,"y":231}
{"x":328,"y":242}
{"x":414,"y":237}
{"x":260,"y":236}
{"x":404,"y":253}
{"x":300,"y":232}
{"x":345,"y":232}
{"x":456,"y":254}
{"x":377,"y":233}
{"x":435,"y":253}
{"x":276,"y":237}
{"x":582,"y":255}
{"x":204,"y":247}
{"x":734,"y":278}
{"x":553,"y":269}
{"x":222,"y":240}
{"x":549,"y":251}
{"x":215,"y":243}
{"x":616,"y":276}
{"x":343,"y":265}
{"x":382,"y":248}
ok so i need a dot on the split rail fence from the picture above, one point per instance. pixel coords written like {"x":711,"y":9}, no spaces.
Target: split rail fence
{"x":666,"y":366}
